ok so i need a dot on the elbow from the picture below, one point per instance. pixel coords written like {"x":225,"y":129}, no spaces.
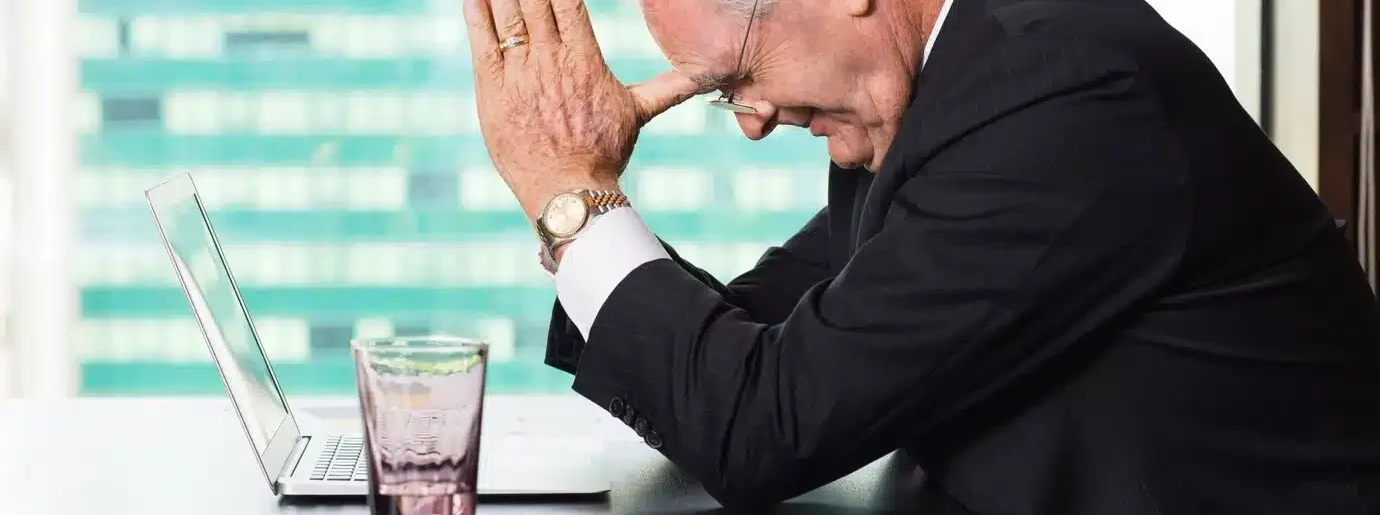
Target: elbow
{"x":748,"y":494}
{"x":760,"y":484}
{"x":755,"y":465}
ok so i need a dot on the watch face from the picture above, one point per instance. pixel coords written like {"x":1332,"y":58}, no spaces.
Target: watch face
{"x":565,"y":215}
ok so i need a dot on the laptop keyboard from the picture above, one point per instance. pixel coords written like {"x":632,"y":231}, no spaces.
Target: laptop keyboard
{"x":342,"y":460}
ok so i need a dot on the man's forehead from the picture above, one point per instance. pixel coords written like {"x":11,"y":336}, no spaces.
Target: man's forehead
{"x":697,"y":37}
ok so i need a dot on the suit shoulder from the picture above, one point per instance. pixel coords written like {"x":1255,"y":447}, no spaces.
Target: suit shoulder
{"x":1130,"y":30}
{"x":1043,"y":93}
{"x":1087,"y":17}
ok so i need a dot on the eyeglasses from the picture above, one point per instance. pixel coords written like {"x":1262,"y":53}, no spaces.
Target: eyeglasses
{"x":726,"y":100}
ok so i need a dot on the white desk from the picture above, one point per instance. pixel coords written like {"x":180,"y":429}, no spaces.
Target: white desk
{"x":135,"y":456}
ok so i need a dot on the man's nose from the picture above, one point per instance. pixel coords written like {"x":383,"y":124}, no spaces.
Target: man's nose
{"x":758,"y":125}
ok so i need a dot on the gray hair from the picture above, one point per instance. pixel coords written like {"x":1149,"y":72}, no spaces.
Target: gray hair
{"x":743,"y":8}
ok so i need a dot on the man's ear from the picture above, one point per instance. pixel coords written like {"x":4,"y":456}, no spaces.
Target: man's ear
{"x":857,"y":7}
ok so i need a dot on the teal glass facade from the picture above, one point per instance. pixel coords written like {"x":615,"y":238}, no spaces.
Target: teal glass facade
{"x":337,"y":145}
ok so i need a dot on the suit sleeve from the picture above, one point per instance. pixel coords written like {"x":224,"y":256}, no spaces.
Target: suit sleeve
{"x":768,"y":292}
{"x":1058,"y":213}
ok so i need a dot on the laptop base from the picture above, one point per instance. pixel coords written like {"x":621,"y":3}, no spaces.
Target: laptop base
{"x":334,"y":465}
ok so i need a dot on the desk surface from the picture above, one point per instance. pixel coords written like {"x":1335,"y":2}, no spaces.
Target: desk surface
{"x":179,"y":456}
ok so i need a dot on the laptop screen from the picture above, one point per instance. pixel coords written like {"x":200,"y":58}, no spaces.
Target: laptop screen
{"x":215,"y":302}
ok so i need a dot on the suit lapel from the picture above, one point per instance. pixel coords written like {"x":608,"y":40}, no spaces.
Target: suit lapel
{"x":960,"y":38}
{"x":843,"y":213}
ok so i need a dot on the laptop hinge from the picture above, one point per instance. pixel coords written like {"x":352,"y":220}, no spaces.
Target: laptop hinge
{"x":299,"y":450}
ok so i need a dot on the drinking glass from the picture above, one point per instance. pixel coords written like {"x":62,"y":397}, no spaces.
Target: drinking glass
{"x":423,"y":401}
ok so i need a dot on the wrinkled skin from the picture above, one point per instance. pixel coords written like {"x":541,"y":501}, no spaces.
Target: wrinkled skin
{"x":553,"y":116}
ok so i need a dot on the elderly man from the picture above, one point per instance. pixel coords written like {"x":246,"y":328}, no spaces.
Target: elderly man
{"x":1060,"y":266}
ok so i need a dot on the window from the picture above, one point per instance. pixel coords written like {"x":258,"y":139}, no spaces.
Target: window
{"x":336,"y":143}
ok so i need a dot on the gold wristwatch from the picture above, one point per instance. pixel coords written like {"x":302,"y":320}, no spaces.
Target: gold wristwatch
{"x":566,"y":215}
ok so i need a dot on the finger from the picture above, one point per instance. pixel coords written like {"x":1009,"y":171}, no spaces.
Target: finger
{"x":661,"y":93}
{"x":508,"y":23}
{"x":541,"y":22}
{"x":483,"y":39}
{"x":573,"y":21}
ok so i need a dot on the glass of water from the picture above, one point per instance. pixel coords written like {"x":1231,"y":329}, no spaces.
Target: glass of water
{"x":423,"y":401}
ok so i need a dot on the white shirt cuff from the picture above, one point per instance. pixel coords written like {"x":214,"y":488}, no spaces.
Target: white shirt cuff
{"x":611,"y":248}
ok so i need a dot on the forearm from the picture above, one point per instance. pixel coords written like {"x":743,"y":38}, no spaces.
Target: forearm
{"x":727,"y":397}
{"x":768,"y":292}
{"x":592,"y":265}
{"x":904,"y":340}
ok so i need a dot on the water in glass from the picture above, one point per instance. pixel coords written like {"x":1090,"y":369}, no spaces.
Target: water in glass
{"x":422,"y":401}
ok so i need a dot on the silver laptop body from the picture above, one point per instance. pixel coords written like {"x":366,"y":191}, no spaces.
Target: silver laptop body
{"x":296,"y":462}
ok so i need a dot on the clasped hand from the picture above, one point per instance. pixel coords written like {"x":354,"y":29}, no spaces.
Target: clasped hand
{"x":553,"y":116}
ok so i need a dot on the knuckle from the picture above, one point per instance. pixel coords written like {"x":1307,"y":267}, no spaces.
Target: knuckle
{"x":569,"y":9}
{"x":493,"y":66}
{"x":511,"y":25}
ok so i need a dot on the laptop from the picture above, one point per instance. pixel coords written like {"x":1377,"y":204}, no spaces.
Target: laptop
{"x":295,"y":460}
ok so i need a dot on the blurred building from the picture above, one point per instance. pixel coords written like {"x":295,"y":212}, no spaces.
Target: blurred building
{"x":337,"y":143}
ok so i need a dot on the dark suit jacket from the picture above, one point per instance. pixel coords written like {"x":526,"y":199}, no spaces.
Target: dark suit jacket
{"x":1084,"y":282}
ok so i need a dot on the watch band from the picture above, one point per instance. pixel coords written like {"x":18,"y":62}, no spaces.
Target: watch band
{"x":598,"y":202}
{"x":603,"y":201}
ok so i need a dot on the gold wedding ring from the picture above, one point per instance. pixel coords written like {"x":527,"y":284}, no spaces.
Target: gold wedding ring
{"x":515,"y":41}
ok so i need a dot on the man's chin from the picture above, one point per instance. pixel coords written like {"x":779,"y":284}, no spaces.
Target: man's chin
{"x":845,"y":159}
{"x":858,"y":165}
